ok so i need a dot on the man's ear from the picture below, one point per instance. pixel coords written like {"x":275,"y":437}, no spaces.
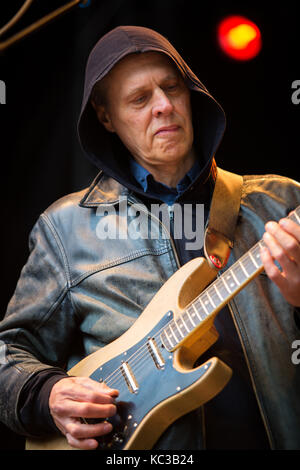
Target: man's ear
{"x":103,"y":116}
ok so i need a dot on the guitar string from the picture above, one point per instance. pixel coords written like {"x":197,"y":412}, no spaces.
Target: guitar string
{"x":131,"y":361}
{"x":143,"y":353}
{"x":117,"y":374}
{"x":137,"y":356}
{"x":247,"y":261}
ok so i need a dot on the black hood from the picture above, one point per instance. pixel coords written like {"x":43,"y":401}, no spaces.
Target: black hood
{"x":104,"y":148}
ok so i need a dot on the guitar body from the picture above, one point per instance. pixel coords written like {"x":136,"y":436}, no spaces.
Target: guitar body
{"x":151,"y":364}
{"x":160,"y":385}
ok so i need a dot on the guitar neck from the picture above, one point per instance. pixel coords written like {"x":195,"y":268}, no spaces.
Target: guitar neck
{"x":217,"y":295}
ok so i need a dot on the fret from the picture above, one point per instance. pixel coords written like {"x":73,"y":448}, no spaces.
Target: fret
{"x":207,"y":302}
{"x":243,"y":268}
{"x":197,"y":313}
{"x":214,"y":296}
{"x":205,"y":309}
{"x":210,"y":299}
{"x":240,"y":274}
{"x":225,"y":284}
{"x":253,"y":260}
{"x":218,"y":293}
{"x":185,"y":325}
{"x":188,"y":321}
{"x":190,"y":317}
{"x":249,"y":266}
{"x":235,"y":277}
{"x":260,"y":244}
{"x":179,"y":328}
{"x":173,"y":332}
{"x":166,"y":341}
{"x":231,"y":281}
{"x":222,"y":289}
{"x":200,"y":310}
{"x":168,"y":338}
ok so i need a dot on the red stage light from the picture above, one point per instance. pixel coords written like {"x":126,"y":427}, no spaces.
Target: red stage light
{"x":239,"y":37}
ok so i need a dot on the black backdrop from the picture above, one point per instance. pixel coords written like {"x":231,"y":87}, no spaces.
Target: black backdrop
{"x":41,"y":159}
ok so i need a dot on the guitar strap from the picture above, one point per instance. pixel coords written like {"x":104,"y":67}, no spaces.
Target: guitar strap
{"x":224,"y":210}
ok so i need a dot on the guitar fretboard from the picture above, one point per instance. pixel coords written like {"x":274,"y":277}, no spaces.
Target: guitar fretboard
{"x":218,"y":294}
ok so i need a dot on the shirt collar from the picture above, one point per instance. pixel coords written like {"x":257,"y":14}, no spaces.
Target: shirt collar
{"x":140,"y":173}
{"x":168,"y":194}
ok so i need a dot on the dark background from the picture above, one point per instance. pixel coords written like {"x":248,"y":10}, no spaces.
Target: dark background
{"x":41,"y":159}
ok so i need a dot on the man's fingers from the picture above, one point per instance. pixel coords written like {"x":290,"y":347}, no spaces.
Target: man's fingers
{"x":78,"y":409}
{"x":82,"y":444}
{"x":84,"y":389}
{"x":80,"y":430}
{"x":271,"y":269}
{"x":282,"y":245}
{"x":90,"y":410}
{"x":98,"y":387}
{"x":281,"y":254}
{"x":290,"y":226}
{"x":283,"y":239}
{"x":80,"y":435}
{"x":73,"y":398}
{"x":86,"y":394}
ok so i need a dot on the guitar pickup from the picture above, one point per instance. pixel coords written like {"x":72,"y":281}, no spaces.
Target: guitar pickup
{"x":155,"y":353}
{"x":129,"y":377}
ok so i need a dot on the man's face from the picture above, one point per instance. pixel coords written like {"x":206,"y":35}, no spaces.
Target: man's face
{"x":148,"y":106}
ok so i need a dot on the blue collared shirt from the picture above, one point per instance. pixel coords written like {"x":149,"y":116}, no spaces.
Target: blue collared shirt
{"x":161,"y":190}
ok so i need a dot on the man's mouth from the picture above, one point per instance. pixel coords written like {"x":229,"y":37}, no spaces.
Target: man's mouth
{"x":165,"y":130}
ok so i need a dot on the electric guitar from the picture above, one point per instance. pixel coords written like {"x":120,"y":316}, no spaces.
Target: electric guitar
{"x":151,"y":364}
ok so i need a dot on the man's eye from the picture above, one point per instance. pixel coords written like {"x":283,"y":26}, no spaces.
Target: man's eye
{"x":172,"y":87}
{"x":140,"y":99}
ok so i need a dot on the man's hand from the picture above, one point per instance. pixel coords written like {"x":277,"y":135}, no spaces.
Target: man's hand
{"x":73,"y":398}
{"x":283,"y":245}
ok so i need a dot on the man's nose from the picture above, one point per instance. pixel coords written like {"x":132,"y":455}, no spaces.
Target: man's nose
{"x":162,"y":104}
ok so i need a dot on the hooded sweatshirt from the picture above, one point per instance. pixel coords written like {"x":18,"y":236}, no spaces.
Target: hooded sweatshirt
{"x":106,"y":151}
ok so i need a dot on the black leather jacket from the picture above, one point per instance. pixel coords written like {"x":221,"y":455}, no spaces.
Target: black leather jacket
{"x":74,"y":297}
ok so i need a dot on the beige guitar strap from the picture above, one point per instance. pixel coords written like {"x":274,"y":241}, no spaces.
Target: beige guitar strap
{"x":224,"y":210}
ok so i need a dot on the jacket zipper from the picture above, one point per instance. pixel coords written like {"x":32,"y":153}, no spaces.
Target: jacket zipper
{"x":169,"y":236}
{"x":171,"y":212}
{"x":267,"y":429}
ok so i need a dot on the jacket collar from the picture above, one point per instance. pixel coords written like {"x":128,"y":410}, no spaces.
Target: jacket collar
{"x":104,"y":190}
